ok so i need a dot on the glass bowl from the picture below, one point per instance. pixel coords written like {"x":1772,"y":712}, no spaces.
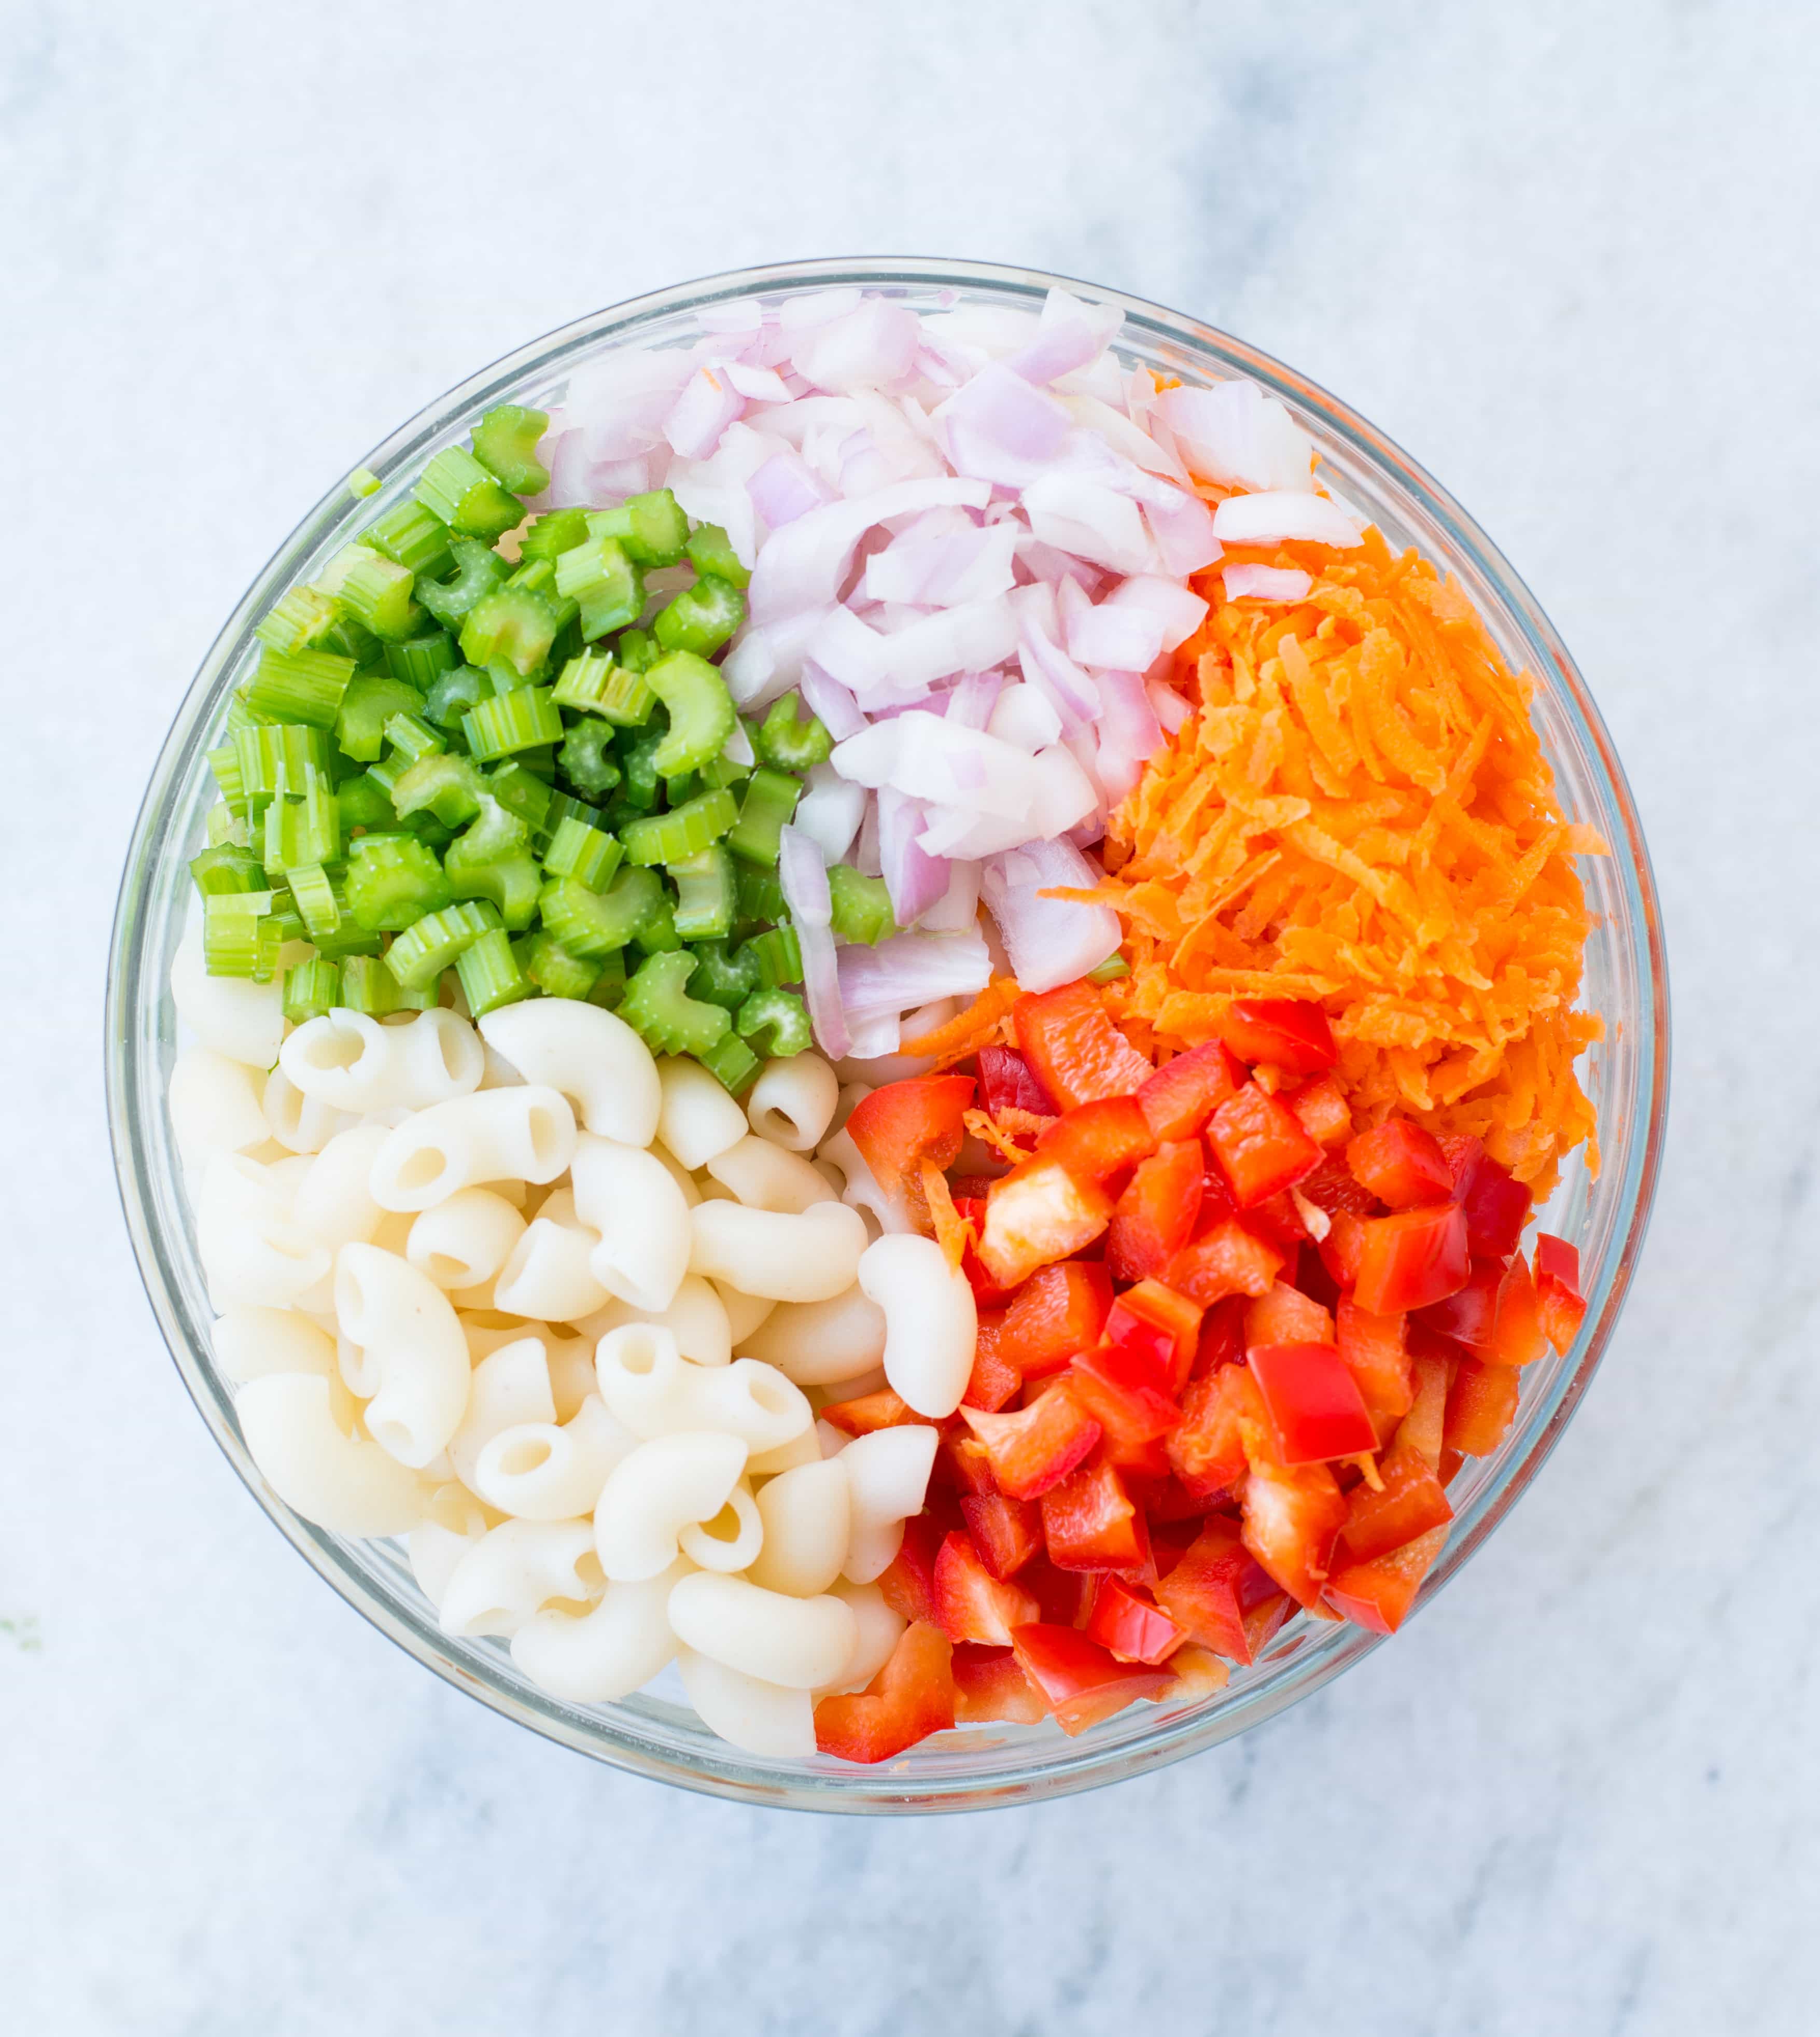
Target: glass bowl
{"x":1627,"y":1074}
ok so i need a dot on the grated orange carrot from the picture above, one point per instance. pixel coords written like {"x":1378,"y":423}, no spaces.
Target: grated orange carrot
{"x":952,"y":1232}
{"x":981,"y":1025}
{"x":1359,"y":812}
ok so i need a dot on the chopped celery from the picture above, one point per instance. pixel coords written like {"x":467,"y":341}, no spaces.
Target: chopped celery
{"x":684,"y":831}
{"x":700,"y":710}
{"x":638,"y":757}
{"x":529,"y":797}
{"x":721,"y":771}
{"x":223,"y":828}
{"x":790,"y":745}
{"x":520,"y":720}
{"x":458,"y":488}
{"x":276,"y":755}
{"x":490,"y":974}
{"x":1110,"y":970}
{"x":779,"y":1013}
{"x":609,"y":985}
{"x":586,"y":757}
{"x":362,"y":482}
{"x":610,"y":589}
{"x":374,"y":590}
{"x":310,"y":989}
{"x":303,"y":830}
{"x":300,"y":686}
{"x":554,"y":970}
{"x":430,"y":945}
{"x":587,"y":854}
{"x":557,"y":531}
{"x":761,"y":896}
{"x":365,"y":805}
{"x":652,"y":527}
{"x":513,"y":626}
{"x":369,"y":987}
{"x":704,"y":896}
{"x":224,"y":762}
{"x":413,"y":737}
{"x":298,"y":621}
{"x":392,"y":880}
{"x":593,"y":684}
{"x":723,"y":975}
{"x":510,"y":882}
{"x":413,"y":537}
{"x":371,"y":699}
{"x":862,"y":906}
{"x":700,"y":619}
{"x":711,"y":553}
{"x":420,"y":661}
{"x":452,"y":696}
{"x":732,"y":1064}
{"x":659,"y":935}
{"x":313,"y":891}
{"x":240,"y":937}
{"x":769,"y":800}
{"x":635,"y":651}
{"x":479,"y":571}
{"x":659,"y":1008}
{"x":775,"y":958}
{"x":448,"y":787}
{"x":592,"y":923}
{"x":505,"y":442}
{"x":222,"y":868}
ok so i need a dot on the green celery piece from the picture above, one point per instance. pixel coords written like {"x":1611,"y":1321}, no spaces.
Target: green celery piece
{"x":636,"y":650}
{"x":554,"y":970}
{"x":411,"y":738}
{"x":362,"y":482}
{"x":609,"y":985}
{"x":240,"y":935}
{"x":862,"y":906}
{"x":454,"y":696}
{"x":479,"y":571}
{"x":409,"y":534}
{"x":723,"y":975}
{"x":732,"y":1064}
{"x":592,"y":684}
{"x":364,"y":807}
{"x":224,"y":868}
{"x":489,"y":975}
{"x":313,"y":891}
{"x":505,"y":442}
{"x":371,"y":699}
{"x":587,"y":854}
{"x":375,"y":591}
{"x":779,"y":1013}
{"x":511,"y":883}
{"x":723,"y":772}
{"x":769,"y":801}
{"x":551,"y":534}
{"x":304,"y":830}
{"x":659,"y":935}
{"x":428,"y":946}
{"x":275,"y":755}
{"x":711,"y":553}
{"x":225,"y":829}
{"x":1110,"y":970}
{"x":392,"y":880}
{"x":700,"y":619}
{"x":224,"y":762}
{"x":421,"y":660}
{"x":305,"y":686}
{"x":659,"y":1008}
{"x":369,"y":987}
{"x":760,"y":896}
{"x":684,"y":831}
{"x":775,"y":957}
{"x":651,"y":527}
{"x":457,"y":487}
{"x":526,"y":794}
{"x":522,"y":719}
{"x":592,"y":923}
{"x":638,"y":759}
{"x":586,"y":757}
{"x":787,"y":744}
{"x":447,"y":786}
{"x":310,"y":989}
{"x":700,"y":710}
{"x":297,"y":621}
{"x":514,"y":626}
{"x":704,"y":895}
{"x":610,"y":589}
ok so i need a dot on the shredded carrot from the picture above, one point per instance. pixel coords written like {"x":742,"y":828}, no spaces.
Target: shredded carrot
{"x":1359,"y":811}
{"x":987,"y":1129}
{"x":952,"y":1229}
{"x":981,"y":1025}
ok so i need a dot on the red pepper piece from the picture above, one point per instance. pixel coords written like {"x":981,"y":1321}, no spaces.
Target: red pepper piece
{"x":1155,"y":1216}
{"x":1401,"y":1164}
{"x":1260,"y":1145}
{"x":1183,"y":1093}
{"x":911,"y":1698}
{"x":1289,"y":1033}
{"x":1075,"y":1051}
{"x":1407,"y":1260}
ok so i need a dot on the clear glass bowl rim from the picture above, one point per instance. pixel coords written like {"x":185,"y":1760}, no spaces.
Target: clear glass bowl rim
{"x":1074,"y":1766}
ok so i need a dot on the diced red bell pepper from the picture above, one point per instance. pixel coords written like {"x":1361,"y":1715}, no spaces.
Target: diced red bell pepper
{"x":961,"y":1462}
{"x":1037,"y":1446}
{"x":882,"y":1410}
{"x":1208,"y":1451}
{"x":1007,"y":1533}
{"x":995,"y":1379}
{"x":1124,"y":1388}
{"x":1217,"y":1590}
{"x":1153,"y":1309}
{"x":1289,"y":1033}
{"x":1062,"y":1594}
{"x":1155,"y":1216}
{"x":1183,"y":1093}
{"x":1175,"y":1515}
{"x":1401,"y":1164}
{"x":1058,"y":1311}
{"x":1411,"y":1259}
{"x":1291,"y":1517}
{"x":1558,"y":1288}
{"x":1036,"y":1215}
{"x":1075,"y":1051}
{"x":1469,"y":1317}
{"x":1222,"y":1338}
{"x":1260,"y":1145}
{"x":909,"y":1580}
{"x":986,"y":1292}
{"x":1284,"y":1315}
{"x":1342,"y":1252}
{"x":1082,"y":1681}
{"x":1089,"y":1523}
{"x":900,"y":1126}
{"x":1131,"y":1626}
{"x":1099,"y":1142}
{"x":1007,"y":1082}
{"x":1517,"y":1336}
{"x":1322,"y":1111}
{"x":1278,"y":1222}
{"x":1379,"y":1594}
{"x":911,"y":1697}
{"x":1317,"y":1411}
{"x":1333,"y":1187}
{"x":990,"y":1689}
{"x":1422,"y":1428}
{"x":1481,"y":1406}
{"x":971,"y":1603}
{"x":1373,"y":1350}
{"x":1496,"y":1204}
{"x":1411,"y":1501}
{"x":1229,"y":1259}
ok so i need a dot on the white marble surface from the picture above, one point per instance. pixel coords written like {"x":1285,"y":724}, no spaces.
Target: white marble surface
{"x":1564,"y":252}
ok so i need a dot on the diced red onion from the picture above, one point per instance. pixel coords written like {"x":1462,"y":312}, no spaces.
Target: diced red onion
{"x":1109,"y":638}
{"x":1080,"y":515}
{"x":1169,"y":706}
{"x":1182,"y":526}
{"x":1025,"y":716}
{"x":803,"y":565}
{"x":1128,"y":733}
{"x":1236,"y":435}
{"x":708,"y":404}
{"x":783,"y":489}
{"x":912,"y":969}
{"x":915,"y":879}
{"x":958,"y":907}
{"x":970,"y":705}
{"x":1048,"y":941}
{"x":803,"y":876}
{"x":1000,"y":409}
{"x":829,"y":812}
{"x":1178,"y":610}
{"x":830,"y":702}
{"x":736,"y":314}
{"x":813,"y":308}
{"x":758,"y":385}
{"x":1048,"y":668}
{"x":869,"y":347}
{"x":1072,"y":333}
{"x":1265,"y":583}
{"x":568,"y":465}
{"x":1279,"y":516}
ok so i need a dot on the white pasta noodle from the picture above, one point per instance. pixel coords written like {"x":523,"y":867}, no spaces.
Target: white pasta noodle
{"x":572,"y":1377}
{"x":807,"y":1258}
{"x":413,"y":1339}
{"x":678,"y":1173}
{"x":298,"y":1123}
{"x":697,"y":1317}
{"x":214,"y":1105}
{"x":539,"y":1472}
{"x":517,"y":1193}
{"x":515,"y":1569}
{"x":249,"y":1343}
{"x":348,"y":1061}
{"x":829,"y":1440}
{"x":888,"y":1473}
{"x":631,"y":1199}
{"x":804,"y":1514}
{"x":803,"y":1448}
{"x":509,"y":1387}
{"x":595,"y":1059}
{"x":766,"y":1177}
{"x":663,"y":1487}
{"x":852,"y":1094}
{"x":607,"y":1653}
{"x":878,"y":1627}
{"x":499,"y":1073}
{"x":340,"y":1482}
{"x":464,"y":1241}
{"x":799,"y":1643}
{"x":743,"y":1312}
{"x":792,"y":1103}
{"x":245,"y":1021}
{"x":249,"y":1243}
{"x":861,"y":1190}
{"x":861,"y":1384}
{"x":759,"y":1717}
{"x":816,"y":1343}
{"x":696,"y":1118}
{"x":453,"y":1521}
{"x":931,"y":1323}
{"x":549,"y":1273}
{"x":441,"y":1056}
{"x":526,"y":1134}
{"x":333,"y":1205}
{"x":731,"y":1541}
{"x":655,"y":1391}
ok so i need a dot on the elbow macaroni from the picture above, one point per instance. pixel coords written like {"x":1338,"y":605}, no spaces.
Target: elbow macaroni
{"x":696,"y":1118}
{"x":465,"y":1240}
{"x":730,"y":1541}
{"x":931,"y":1324}
{"x":799,"y":1643}
{"x":413,"y":1339}
{"x":888,"y":1477}
{"x":340,"y":1482}
{"x":593,"y":1059}
{"x":655,"y":1391}
{"x":818,"y":1343}
{"x":765,"y":1177}
{"x":592,"y":1657}
{"x":515,"y":1569}
{"x":245,"y":1021}
{"x":803,"y":1515}
{"x":811,"y":1257}
{"x":539,"y":1471}
{"x":760,"y":1718}
{"x":697,"y":1317}
{"x":630,"y":1198}
{"x":526,"y":1134}
{"x":793,"y":1101}
{"x":549,"y":1274}
{"x":215,"y":1106}
{"x":651,"y":1495}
